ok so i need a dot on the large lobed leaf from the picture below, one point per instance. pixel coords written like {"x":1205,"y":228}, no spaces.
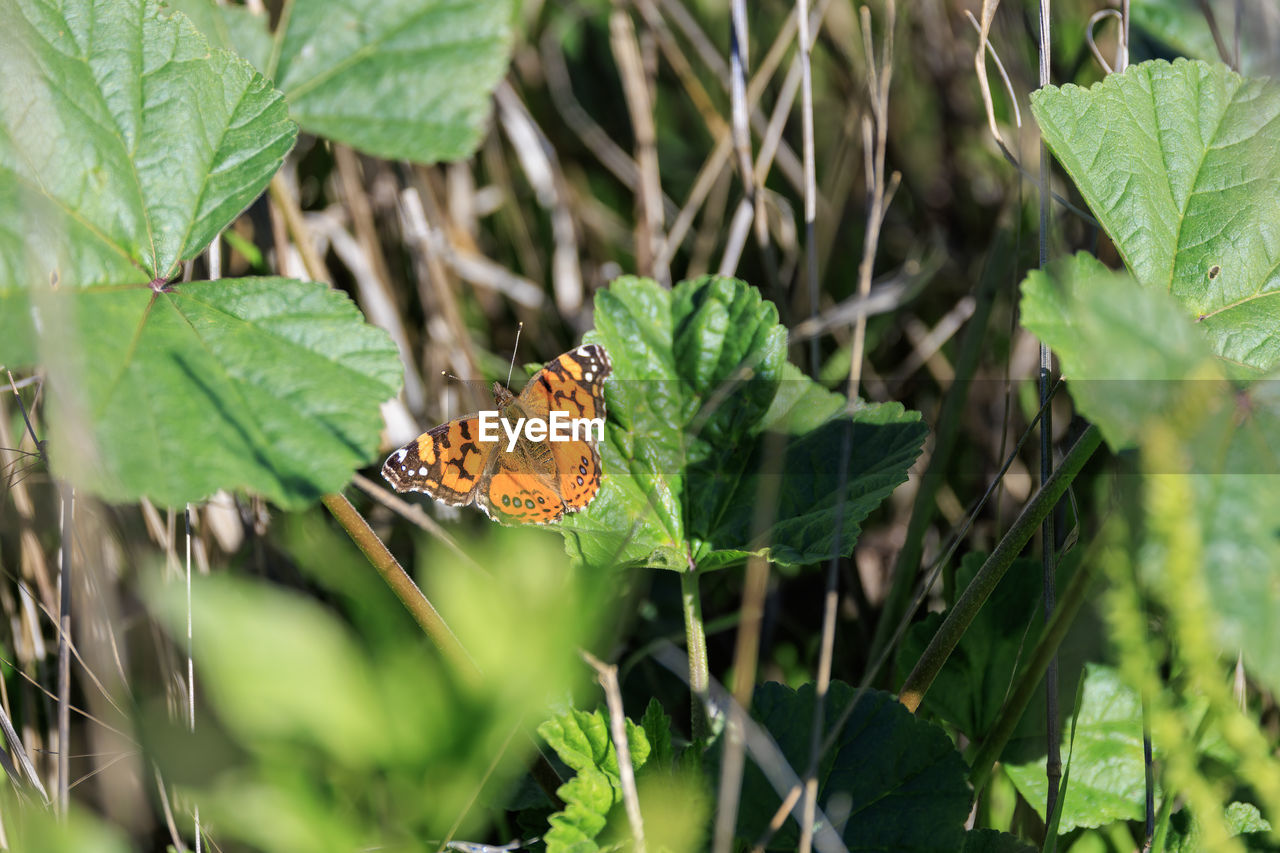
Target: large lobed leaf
{"x":707,"y":418}
{"x":126,"y":144}
{"x":1180,"y":163}
{"x":266,"y":384}
{"x":1132,"y":358}
{"x":895,"y":778}
{"x":407,"y":79}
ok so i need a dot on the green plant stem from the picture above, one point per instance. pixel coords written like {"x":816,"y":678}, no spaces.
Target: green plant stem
{"x":427,"y":617}
{"x":907,"y":566}
{"x":1073,"y":598}
{"x":984,"y":583}
{"x":696,"y":641}
{"x":401,"y":584}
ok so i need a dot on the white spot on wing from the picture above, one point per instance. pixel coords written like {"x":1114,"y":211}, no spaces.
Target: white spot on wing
{"x":423,"y":471}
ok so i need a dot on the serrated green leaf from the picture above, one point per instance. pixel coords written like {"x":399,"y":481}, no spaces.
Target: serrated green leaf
{"x":1129,"y":353}
{"x":1179,"y":163}
{"x":1108,"y":779}
{"x":126,"y":144}
{"x":657,"y":731}
{"x":268,"y":384}
{"x":230,"y":27}
{"x":581,"y":740}
{"x":896,"y":777}
{"x":409,"y":79}
{"x":700,"y":391}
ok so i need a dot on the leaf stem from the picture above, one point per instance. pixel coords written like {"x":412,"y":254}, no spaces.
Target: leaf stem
{"x":984,"y":583}
{"x":401,"y":584}
{"x":696,"y":642}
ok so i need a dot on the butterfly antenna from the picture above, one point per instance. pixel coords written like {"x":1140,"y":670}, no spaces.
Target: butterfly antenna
{"x":447,"y":397}
{"x":512,"y":368}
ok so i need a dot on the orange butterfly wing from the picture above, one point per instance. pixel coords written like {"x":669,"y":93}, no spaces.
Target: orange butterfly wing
{"x":573,"y":384}
{"x":514,"y":494}
{"x":448,"y":462}
{"x":536,"y":483}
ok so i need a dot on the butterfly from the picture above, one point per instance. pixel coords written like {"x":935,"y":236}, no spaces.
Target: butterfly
{"x":516,"y":480}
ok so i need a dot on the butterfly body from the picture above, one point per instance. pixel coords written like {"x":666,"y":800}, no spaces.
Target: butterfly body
{"x":515,"y":479}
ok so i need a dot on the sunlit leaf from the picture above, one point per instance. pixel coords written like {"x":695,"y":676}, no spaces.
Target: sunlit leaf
{"x":1179,"y":163}
{"x":707,"y":419}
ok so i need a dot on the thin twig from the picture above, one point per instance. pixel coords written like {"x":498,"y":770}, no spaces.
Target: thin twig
{"x":1093,"y":44}
{"x":761,"y":747}
{"x":715,"y":162}
{"x":593,"y":136}
{"x":1048,"y":544}
{"x":635,"y":89}
{"x":540,"y":165}
{"x":191,"y":666}
{"x":810,"y":180}
{"x":746,"y":650}
{"x":985,"y":42}
{"x":1224,"y":53}
{"x":64,"y":646}
{"x":880,"y":192}
{"x":608,"y":677}
{"x":288,"y":207}
{"x":751,"y":211}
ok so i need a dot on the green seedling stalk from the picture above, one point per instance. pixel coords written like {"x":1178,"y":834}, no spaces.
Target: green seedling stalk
{"x":984,"y":583}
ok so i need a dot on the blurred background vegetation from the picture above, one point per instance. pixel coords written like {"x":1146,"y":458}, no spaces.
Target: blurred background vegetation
{"x":326,"y":719}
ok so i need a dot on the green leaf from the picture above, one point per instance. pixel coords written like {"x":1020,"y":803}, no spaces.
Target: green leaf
{"x":705,"y":416}
{"x":1239,"y":515}
{"x":1179,"y":163}
{"x":976,"y":679}
{"x":29,"y":826}
{"x":581,"y":740}
{"x":230,"y":27}
{"x":657,"y":730}
{"x":268,"y":384}
{"x":993,"y":841}
{"x":1243,"y":819}
{"x":1132,"y":359}
{"x":896,"y":779}
{"x":126,"y":144}
{"x":1180,"y":26}
{"x":1107,"y":776}
{"x":409,"y":79}
{"x":1128,"y":352}
{"x":277,"y":667}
